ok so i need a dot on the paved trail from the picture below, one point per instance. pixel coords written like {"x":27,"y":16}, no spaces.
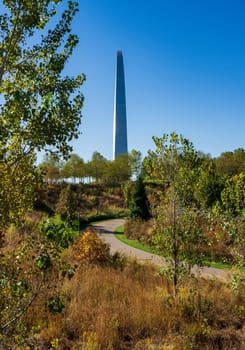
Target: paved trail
{"x":106,"y":231}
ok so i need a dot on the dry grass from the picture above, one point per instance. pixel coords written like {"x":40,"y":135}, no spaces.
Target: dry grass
{"x":140,"y":230}
{"x":94,"y":199}
{"x":112,"y":306}
{"x":132,"y":309}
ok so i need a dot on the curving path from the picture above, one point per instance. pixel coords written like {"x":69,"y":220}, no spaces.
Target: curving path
{"x":106,"y":231}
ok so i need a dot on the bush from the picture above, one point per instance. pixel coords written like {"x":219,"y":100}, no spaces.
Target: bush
{"x":67,"y":206}
{"x":90,"y":248}
{"x":117,"y":261}
{"x":139,"y":205}
{"x":139,"y":229}
{"x":57,"y":231}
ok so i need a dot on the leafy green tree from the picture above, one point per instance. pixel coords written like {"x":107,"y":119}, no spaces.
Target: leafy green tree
{"x":176,"y":229}
{"x":233,"y":195}
{"x":99,"y":169}
{"x":119,"y":170}
{"x":97,"y":166}
{"x":39,"y":106}
{"x":230,"y":215}
{"x":74,"y":168}
{"x":175,"y":162}
{"x":135,"y":162}
{"x":139,"y":205}
{"x":67,"y":204}
{"x":51,"y":168}
{"x":127,"y":190}
{"x":209,"y":184}
{"x":231,"y":163}
{"x":177,"y":234}
{"x":18,"y":183}
{"x":57,"y":231}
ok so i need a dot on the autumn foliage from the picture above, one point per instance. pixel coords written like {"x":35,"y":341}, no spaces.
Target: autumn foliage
{"x":89,"y":248}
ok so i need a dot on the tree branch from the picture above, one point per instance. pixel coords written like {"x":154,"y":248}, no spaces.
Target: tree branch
{"x":9,"y":49}
{"x":15,"y":318}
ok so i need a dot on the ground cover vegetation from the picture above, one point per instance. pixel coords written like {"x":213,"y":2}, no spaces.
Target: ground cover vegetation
{"x":68,"y":292}
{"x":81,"y":203}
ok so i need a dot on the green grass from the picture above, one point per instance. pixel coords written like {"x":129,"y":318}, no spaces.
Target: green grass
{"x":119,"y":229}
{"x":136,"y":244}
{"x":218,"y":265}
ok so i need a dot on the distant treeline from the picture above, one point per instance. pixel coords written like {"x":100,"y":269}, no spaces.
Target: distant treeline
{"x":100,"y":169}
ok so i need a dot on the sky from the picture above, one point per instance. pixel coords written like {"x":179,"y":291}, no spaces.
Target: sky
{"x":184,"y":64}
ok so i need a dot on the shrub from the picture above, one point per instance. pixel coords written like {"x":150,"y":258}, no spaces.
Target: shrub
{"x":43,"y":261}
{"x":55,"y":305}
{"x":117,"y":261}
{"x":67,"y":206}
{"x":90,"y":248}
{"x":139,"y":205}
{"x":139,"y":229}
{"x":57,"y":231}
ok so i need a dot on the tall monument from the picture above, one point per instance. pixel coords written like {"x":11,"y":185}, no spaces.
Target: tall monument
{"x":120,"y":143}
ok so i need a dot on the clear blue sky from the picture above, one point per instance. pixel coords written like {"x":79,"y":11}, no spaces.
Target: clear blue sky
{"x":184,"y":70}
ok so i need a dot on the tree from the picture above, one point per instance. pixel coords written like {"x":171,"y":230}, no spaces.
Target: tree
{"x":209,"y":184}
{"x":97,"y":166}
{"x":233,"y":195}
{"x":74,"y":168}
{"x":230,"y":215}
{"x":139,"y":206}
{"x":18,"y":184}
{"x":50,"y":167}
{"x":39,"y":108}
{"x":135,"y":162}
{"x":67,"y":204}
{"x":176,"y":229}
{"x":231,"y":163}
{"x":177,"y":234}
{"x":119,"y":170}
{"x":174,"y":163}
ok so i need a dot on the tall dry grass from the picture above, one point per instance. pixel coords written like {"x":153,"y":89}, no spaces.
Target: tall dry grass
{"x":130,"y":307}
{"x":133,"y":309}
